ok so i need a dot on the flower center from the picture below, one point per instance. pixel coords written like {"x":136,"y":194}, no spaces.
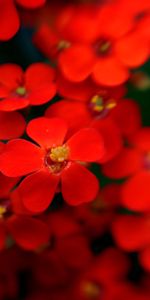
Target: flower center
{"x":98,"y":205}
{"x":57,"y":158}
{"x":21,"y":91}
{"x":91,"y":290}
{"x":100,"y":106}
{"x":63,"y":45}
{"x":3,"y":210}
{"x":102,"y":47}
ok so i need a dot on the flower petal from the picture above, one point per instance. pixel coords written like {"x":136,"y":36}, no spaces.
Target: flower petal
{"x":47,"y":132}
{"x":20,"y":158}
{"x":86,"y":145}
{"x":11,"y":75}
{"x":127,"y":116}
{"x":13,"y":103}
{"x":76,"y":62}
{"x":9,"y":20}
{"x":28,"y":233}
{"x":131,"y":232}
{"x":128,"y":50}
{"x":6,"y":184}
{"x":79,"y":185}
{"x":125,"y":164}
{"x":74,"y":113}
{"x":31,"y":3}
{"x":109,"y":71}
{"x":38,"y":74}
{"x":42,"y":94}
{"x":37,"y":190}
{"x":136,"y":192}
{"x":12,"y":125}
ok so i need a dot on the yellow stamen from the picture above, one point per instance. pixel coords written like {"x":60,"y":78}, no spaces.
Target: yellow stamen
{"x":104,"y":47}
{"x":59,"y":154}
{"x":63,"y":45}
{"x":21,"y":90}
{"x":2,"y":210}
{"x":98,"y":103}
{"x":111,"y":104}
{"x":91,"y":290}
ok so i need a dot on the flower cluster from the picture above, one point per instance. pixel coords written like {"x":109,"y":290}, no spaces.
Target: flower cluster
{"x":74,"y":150}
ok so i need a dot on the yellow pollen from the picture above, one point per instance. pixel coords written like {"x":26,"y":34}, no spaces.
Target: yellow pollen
{"x":91,"y":290}
{"x":2,"y":211}
{"x":98,"y":103}
{"x":63,"y":45}
{"x":59,"y":154}
{"x":21,"y":90}
{"x":111,"y":104}
{"x":104,"y":47}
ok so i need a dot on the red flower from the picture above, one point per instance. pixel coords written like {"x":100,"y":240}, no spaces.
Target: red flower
{"x":54,"y":161}
{"x":134,"y":162}
{"x":109,"y":50}
{"x":97,"y":42}
{"x":18,"y":89}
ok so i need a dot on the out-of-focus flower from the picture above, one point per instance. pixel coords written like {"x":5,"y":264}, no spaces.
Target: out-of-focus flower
{"x":20,"y":89}
{"x":133,"y":162}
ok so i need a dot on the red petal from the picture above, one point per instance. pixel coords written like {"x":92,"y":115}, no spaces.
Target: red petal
{"x":86,"y":145}
{"x":37,"y":190}
{"x":79,"y":185}
{"x":114,"y":25}
{"x":42,"y":94}
{"x":17,"y":204}
{"x":6,"y":184}
{"x":13,"y":103}
{"x":20,"y":158}
{"x":38,"y":74}
{"x":109,"y":71}
{"x":75,"y":113}
{"x":142,"y":139}
{"x":11,"y":75}
{"x":127,"y":115}
{"x":81,"y":91}
{"x":131,"y":232}
{"x":9,"y":20}
{"x":46,"y":40}
{"x":47,"y":132}
{"x":76,"y":62}
{"x":136,"y":192}
{"x":128,"y":50}
{"x":144,"y":257}
{"x":28,"y":233}
{"x":125,"y":164}
{"x":12,"y":125}
{"x":112,"y":142}
{"x":3,"y":234}
{"x":31,"y":3}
